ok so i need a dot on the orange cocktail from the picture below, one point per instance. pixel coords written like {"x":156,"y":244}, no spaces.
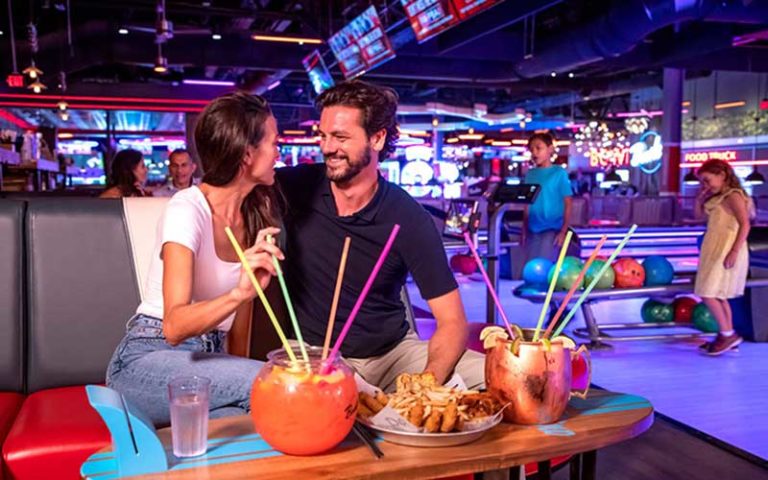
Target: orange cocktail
{"x":299,"y":411}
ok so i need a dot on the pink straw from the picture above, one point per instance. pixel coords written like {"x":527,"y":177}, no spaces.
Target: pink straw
{"x":361,"y":298}
{"x":471,"y":246}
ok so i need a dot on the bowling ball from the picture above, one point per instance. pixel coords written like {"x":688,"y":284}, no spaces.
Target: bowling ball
{"x":658,"y":270}
{"x":571,"y":260}
{"x":536,"y":270}
{"x":463,"y":263}
{"x":569,"y":272}
{"x":684,"y":309}
{"x":654,"y":311}
{"x":629,"y":273}
{"x":704,"y":320}
{"x":606,"y":281}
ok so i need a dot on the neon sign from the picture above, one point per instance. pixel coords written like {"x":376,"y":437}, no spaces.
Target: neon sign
{"x":647,"y":152}
{"x":726,"y":155}
{"x":608,"y":157}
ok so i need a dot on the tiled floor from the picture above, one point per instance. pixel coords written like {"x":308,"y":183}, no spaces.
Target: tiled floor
{"x":725,"y":397}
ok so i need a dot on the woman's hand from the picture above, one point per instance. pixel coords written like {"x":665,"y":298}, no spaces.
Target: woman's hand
{"x":259,"y":258}
{"x":730,"y":260}
{"x":703,"y":194}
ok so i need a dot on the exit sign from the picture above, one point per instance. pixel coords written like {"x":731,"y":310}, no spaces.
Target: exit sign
{"x":15,"y":80}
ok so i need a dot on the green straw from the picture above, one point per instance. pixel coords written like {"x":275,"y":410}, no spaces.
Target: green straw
{"x":597,"y":278}
{"x":289,"y":304}
{"x":552,"y":283}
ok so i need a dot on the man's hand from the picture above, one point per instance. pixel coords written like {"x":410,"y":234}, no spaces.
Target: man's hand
{"x":560,"y":238}
{"x":449,"y":341}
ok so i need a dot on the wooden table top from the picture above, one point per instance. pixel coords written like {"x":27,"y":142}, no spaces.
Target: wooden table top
{"x":603,"y":419}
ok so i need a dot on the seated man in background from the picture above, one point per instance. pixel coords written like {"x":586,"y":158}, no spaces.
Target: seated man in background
{"x":347,"y":197}
{"x":181,"y":169}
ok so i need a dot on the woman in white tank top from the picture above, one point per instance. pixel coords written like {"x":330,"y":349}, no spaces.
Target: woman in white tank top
{"x":195,"y":318}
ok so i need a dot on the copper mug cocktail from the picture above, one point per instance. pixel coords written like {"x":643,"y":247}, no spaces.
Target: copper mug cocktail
{"x":533,"y":379}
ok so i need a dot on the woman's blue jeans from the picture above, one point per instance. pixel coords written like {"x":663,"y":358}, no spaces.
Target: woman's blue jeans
{"x":144,"y":363}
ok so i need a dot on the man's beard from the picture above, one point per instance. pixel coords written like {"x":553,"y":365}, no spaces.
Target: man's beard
{"x":346,"y":173}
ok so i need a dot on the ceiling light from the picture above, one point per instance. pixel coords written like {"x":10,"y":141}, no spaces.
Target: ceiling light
{"x":216,"y":36}
{"x":472,"y":136}
{"x":62,"y":105}
{"x":32,"y":71}
{"x":37,"y":86}
{"x":571,"y":75}
{"x":294,"y":132}
{"x":161,"y":64}
{"x":1,"y":32}
{"x":212,"y":83}
{"x":690,"y":178}
{"x":553,"y":74}
{"x":755,"y":178}
{"x":451,"y":140}
{"x":720,"y":106}
{"x":273,"y":85}
{"x":122,"y":31}
{"x":275,"y":38}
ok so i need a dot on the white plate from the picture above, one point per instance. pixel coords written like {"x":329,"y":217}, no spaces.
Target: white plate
{"x":432,"y":439}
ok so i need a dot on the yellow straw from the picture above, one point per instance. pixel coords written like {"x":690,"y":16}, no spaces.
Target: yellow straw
{"x":558,"y":266}
{"x":335,"y":302}
{"x":260,"y":293}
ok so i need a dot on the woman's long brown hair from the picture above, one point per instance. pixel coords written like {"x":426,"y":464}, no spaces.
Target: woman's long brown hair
{"x":226,"y":128}
{"x":717,"y":167}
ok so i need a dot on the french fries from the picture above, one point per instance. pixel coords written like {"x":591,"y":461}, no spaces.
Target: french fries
{"x":426,"y":404}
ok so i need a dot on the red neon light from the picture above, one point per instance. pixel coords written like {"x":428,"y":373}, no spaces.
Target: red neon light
{"x":764,"y":104}
{"x":84,"y":106}
{"x":4,"y":114}
{"x":743,"y":163}
{"x":15,"y":80}
{"x":106,"y":99}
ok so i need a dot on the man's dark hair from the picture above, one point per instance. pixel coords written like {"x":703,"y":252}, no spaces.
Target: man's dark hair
{"x":378,"y":106}
{"x":178,"y":151}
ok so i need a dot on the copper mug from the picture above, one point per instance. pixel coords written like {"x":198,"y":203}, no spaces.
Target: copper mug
{"x":535,"y":383}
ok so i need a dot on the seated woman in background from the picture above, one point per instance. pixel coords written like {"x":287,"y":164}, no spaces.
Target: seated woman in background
{"x":195,"y":317}
{"x":129,"y":174}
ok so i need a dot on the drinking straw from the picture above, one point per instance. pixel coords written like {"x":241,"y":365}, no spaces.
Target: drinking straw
{"x":575,"y":285}
{"x":361,"y":298}
{"x":260,"y":293}
{"x":488,"y":283}
{"x":587,"y":290}
{"x":289,"y":304}
{"x":336,"y":293}
{"x":552,"y":283}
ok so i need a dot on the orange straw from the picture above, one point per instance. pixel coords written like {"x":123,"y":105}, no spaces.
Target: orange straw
{"x":260,"y":293}
{"x":575,"y":286}
{"x":335,"y":303}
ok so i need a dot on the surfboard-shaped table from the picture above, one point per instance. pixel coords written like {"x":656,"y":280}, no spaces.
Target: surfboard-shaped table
{"x":235,"y":451}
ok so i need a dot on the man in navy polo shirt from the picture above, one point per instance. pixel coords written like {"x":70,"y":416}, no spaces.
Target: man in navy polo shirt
{"x":347,"y":197}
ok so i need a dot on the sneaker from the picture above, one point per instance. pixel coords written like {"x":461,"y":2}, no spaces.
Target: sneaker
{"x":722,"y":344}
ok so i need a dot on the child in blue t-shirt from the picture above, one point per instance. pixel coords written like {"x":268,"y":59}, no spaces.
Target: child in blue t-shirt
{"x":545,"y":222}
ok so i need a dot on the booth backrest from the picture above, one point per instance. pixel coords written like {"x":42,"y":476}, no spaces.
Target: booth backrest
{"x":142,"y":215}
{"x":81,"y":289}
{"x":11,"y":295}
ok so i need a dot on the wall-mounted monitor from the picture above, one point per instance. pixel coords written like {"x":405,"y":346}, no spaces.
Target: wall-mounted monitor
{"x":432,"y":17}
{"x":362,"y":44}
{"x":318,"y":73}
